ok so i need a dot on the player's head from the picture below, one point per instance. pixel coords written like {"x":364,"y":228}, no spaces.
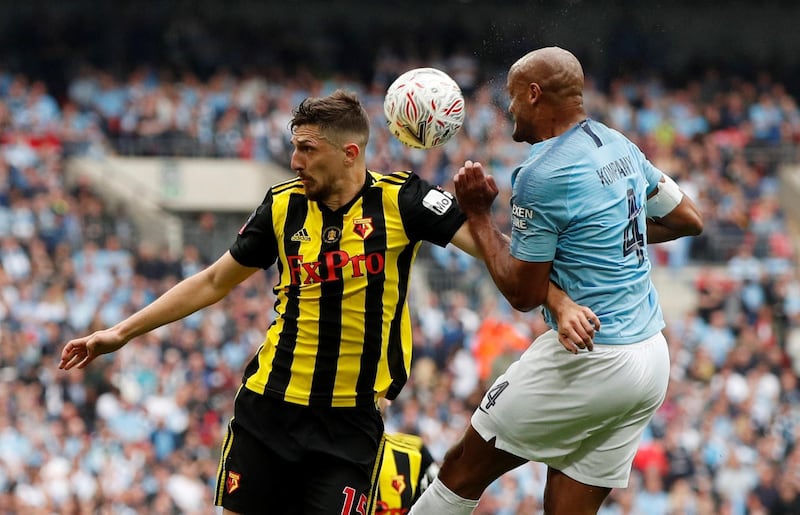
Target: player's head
{"x":340,"y":117}
{"x":546,"y":90}
{"x":330,"y":135}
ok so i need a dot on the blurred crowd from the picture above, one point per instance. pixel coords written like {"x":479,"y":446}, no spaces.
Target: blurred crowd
{"x":138,"y":432}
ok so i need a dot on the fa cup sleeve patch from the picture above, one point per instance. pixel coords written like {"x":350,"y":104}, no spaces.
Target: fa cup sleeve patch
{"x":438,"y":201}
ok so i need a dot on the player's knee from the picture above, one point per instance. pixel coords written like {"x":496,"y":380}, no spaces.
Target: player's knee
{"x":453,"y":473}
{"x":566,"y":496}
{"x":461,"y":475}
{"x":455,"y":452}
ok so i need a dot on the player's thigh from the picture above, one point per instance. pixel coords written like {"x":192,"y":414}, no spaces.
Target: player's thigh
{"x":335,"y":486}
{"x":254,"y":479}
{"x":531,"y":409}
{"x":339,"y":459}
{"x":474,"y":463}
{"x":549,"y":403}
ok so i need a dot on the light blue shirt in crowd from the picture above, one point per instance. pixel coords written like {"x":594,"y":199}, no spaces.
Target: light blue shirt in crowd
{"x":579,"y":201}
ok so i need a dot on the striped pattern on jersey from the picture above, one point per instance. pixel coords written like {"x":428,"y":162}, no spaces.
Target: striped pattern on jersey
{"x":341,"y":298}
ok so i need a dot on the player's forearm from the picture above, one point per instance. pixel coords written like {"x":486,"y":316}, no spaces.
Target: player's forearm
{"x":556,"y":299}
{"x":494,"y":247}
{"x":657,"y":233}
{"x":684,"y":220}
{"x":181,"y":300}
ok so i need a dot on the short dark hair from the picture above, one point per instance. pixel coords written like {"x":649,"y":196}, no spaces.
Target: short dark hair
{"x":339,"y":113}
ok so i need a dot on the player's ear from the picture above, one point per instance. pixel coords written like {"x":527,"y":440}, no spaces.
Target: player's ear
{"x":351,"y":152}
{"x":535,"y":92}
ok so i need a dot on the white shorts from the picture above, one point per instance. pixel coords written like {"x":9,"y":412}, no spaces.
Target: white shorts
{"x":581,"y":414}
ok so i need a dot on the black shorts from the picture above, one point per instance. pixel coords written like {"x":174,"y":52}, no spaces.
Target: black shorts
{"x":286,"y":458}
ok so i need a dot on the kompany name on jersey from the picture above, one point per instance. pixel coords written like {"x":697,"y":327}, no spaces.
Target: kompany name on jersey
{"x":615,"y":170}
{"x":438,"y":201}
{"x":520,"y":216}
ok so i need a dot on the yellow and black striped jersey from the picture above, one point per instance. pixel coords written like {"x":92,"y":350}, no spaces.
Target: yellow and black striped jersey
{"x":404,"y":468}
{"x":342,"y":331}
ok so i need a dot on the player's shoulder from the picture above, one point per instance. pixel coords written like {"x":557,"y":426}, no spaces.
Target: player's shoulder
{"x":604,"y":133}
{"x":395,"y":179}
{"x":287,"y":187}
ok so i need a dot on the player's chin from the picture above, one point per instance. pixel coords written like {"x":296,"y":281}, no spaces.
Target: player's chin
{"x":311,"y":192}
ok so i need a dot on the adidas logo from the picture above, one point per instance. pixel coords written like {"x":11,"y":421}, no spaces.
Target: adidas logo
{"x":301,"y":235}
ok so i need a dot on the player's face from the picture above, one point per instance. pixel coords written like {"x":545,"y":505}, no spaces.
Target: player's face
{"x":520,"y":109}
{"x":317,"y":162}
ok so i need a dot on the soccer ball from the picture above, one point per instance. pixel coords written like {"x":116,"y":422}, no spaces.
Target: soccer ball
{"x":424,"y":108}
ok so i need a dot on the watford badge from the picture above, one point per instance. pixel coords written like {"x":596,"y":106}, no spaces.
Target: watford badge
{"x":399,"y":483}
{"x":363,"y":227}
{"x":232,"y":484}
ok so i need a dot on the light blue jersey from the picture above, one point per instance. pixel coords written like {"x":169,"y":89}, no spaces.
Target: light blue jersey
{"x":579,"y":201}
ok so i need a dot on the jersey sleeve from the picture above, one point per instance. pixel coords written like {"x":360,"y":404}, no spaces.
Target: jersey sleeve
{"x":256,"y":245}
{"x":651,"y":174}
{"x":538,"y":215}
{"x":429,"y":213}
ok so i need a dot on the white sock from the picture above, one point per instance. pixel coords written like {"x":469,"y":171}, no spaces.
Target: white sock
{"x":437,"y":499}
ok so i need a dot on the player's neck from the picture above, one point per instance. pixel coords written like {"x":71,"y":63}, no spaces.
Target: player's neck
{"x":346,"y":190}
{"x":562,"y":121}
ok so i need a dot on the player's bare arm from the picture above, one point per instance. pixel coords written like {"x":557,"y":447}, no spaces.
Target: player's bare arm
{"x":577,"y":324}
{"x":684,"y":219}
{"x":463,"y":239}
{"x":186,"y":297}
{"x":522,"y":283}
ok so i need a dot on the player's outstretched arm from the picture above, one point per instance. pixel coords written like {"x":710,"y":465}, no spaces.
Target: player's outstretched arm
{"x":186,"y":297}
{"x":463,"y":239}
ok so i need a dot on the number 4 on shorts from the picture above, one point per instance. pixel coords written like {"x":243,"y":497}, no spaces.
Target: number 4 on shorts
{"x":493,"y":393}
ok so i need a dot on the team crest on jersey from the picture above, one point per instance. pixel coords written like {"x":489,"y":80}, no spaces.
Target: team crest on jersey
{"x":331,"y":234}
{"x":232,"y":483}
{"x":399,"y":483}
{"x":301,"y":235}
{"x":363,"y":227}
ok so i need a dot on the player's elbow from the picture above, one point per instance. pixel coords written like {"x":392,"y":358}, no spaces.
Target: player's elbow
{"x":693,"y":226}
{"x":526,"y":301}
{"x":527,"y":285}
{"x":696,"y":230}
{"x":685,"y":220}
{"x":524,"y":307}
{"x":690,"y":218}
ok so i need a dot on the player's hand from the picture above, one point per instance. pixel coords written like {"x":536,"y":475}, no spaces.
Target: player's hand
{"x":475,"y":191}
{"x":82,"y":351}
{"x":576,"y":327}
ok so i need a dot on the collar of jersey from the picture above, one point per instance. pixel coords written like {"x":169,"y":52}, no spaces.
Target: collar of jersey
{"x":368,"y":181}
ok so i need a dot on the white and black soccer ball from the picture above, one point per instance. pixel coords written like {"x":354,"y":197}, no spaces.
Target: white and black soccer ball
{"x":424,"y":108}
